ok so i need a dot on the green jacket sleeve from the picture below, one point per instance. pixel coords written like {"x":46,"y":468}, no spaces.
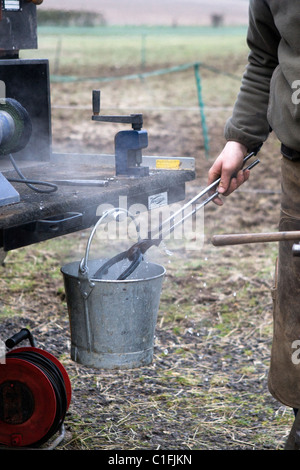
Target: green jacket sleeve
{"x":249,"y":124}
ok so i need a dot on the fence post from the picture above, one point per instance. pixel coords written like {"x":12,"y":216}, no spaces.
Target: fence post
{"x":201,"y":107}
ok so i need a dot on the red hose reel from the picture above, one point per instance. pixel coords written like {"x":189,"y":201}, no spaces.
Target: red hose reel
{"x":35,"y":394}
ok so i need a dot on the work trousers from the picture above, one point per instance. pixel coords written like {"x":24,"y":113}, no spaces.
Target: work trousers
{"x":284,"y":373}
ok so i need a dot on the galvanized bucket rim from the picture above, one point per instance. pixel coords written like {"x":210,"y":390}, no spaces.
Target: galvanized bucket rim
{"x":114,"y":281}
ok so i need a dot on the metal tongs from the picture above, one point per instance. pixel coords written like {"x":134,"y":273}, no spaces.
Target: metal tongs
{"x":135,"y":253}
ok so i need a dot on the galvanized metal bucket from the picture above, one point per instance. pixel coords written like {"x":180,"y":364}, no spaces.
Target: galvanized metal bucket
{"x":112,"y":322}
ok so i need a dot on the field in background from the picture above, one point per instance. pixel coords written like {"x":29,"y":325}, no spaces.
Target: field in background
{"x":207,"y":386}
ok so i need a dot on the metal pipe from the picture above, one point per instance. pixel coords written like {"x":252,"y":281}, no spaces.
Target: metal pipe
{"x":7,"y":127}
{"x":242,"y":238}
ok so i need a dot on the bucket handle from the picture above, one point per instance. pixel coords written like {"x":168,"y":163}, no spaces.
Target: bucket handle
{"x":83,"y":265}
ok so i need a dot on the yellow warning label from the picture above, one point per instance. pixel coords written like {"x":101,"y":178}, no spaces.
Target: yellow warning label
{"x":168,"y":164}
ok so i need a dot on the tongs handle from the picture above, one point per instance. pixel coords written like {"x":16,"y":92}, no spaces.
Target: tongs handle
{"x":197,"y":197}
{"x":244,"y":238}
{"x":135,"y":253}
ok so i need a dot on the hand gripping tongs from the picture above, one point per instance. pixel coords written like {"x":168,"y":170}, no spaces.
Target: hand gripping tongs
{"x":135,"y":253}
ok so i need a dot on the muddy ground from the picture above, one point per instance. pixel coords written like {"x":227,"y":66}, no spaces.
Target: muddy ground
{"x":207,"y":386}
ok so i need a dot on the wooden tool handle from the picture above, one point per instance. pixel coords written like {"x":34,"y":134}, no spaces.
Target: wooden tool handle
{"x":242,"y":238}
